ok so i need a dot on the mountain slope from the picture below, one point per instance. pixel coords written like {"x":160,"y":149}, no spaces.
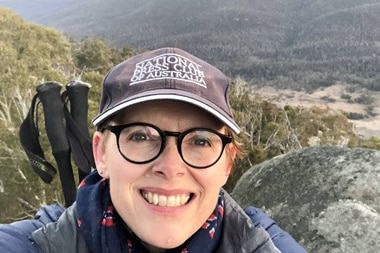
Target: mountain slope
{"x":300,"y":44}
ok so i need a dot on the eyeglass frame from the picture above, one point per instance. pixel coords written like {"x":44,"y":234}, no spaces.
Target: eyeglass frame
{"x":117,"y":129}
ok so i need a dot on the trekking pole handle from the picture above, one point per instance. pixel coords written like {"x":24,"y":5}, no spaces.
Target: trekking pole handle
{"x":77,"y":92}
{"x":50,"y":97}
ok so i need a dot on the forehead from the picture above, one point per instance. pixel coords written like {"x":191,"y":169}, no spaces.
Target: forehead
{"x":166,"y":112}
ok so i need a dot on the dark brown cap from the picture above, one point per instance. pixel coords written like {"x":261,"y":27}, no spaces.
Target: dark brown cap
{"x":166,"y":74}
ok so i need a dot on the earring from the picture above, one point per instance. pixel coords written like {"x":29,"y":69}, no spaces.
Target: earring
{"x":100,"y":172}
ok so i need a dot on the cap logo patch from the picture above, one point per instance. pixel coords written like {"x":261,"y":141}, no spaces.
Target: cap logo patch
{"x":168,"y":66}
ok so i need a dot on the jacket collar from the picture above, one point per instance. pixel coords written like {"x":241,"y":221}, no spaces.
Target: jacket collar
{"x":239,"y":233}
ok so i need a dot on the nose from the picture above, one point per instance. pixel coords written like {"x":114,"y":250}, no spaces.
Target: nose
{"x":169,"y":164}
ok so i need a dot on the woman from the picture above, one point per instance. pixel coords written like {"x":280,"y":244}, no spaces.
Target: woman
{"x":164,"y":147}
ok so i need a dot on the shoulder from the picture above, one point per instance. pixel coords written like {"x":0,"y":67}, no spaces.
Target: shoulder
{"x":283,"y":240}
{"x":15,"y":237}
{"x":62,"y":235}
{"x":240,"y":235}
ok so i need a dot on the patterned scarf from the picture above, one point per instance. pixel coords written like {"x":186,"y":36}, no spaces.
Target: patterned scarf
{"x":104,"y":231}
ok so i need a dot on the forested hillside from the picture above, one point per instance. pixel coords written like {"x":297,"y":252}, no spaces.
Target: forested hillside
{"x":300,"y":44}
{"x":32,"y":54}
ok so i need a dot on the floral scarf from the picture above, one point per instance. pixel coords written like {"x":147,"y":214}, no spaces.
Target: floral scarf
{"x":104,"y":231}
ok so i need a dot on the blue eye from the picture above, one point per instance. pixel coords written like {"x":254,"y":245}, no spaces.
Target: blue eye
{"x":139,"y":134}
{"x":200,"y":141}
{"x":138,"y":137}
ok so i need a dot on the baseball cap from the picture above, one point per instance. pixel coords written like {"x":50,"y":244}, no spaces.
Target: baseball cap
{"x":166,"y":74}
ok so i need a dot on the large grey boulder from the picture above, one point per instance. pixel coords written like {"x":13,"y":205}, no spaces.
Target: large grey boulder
{"x":328,"y":198}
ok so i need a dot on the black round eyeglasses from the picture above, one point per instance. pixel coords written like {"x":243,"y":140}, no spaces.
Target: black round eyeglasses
{"x":141,"y":143}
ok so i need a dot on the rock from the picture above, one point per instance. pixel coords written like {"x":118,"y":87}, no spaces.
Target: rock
{"x":328,"y":198}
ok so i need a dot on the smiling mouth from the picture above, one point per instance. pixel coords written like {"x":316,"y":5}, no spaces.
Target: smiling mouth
{"x":166,"y":201}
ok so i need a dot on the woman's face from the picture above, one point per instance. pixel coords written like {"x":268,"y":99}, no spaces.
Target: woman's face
{"x":165,"y":178}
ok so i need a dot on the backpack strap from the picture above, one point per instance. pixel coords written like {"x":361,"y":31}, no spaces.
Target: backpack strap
{"x":29,"y":139}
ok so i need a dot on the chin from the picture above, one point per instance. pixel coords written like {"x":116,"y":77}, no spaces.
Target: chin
{"x":164,"y":242}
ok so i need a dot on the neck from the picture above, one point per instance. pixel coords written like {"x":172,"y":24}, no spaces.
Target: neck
{"x":153,"y":249}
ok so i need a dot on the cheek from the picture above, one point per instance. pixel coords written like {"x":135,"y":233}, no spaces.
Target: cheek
{"x":122,"y":173}
{"x":117,"y":167}
{"x":113,"y":163}
{"x":213,"y":178}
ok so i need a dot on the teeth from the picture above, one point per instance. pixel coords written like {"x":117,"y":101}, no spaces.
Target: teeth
{"x":166,"y":201}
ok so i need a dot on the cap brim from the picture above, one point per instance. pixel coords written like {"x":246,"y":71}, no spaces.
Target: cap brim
{"x":169,"y":95}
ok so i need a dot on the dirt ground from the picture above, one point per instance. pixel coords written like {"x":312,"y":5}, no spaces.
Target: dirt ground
{"x":330,"y":97}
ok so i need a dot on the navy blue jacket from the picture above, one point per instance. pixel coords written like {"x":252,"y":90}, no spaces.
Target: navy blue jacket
{"x":15,"y":237}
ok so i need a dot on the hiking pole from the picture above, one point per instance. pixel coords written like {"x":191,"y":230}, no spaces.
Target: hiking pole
{"x":50,"y":97}
{"x":77,"y":126}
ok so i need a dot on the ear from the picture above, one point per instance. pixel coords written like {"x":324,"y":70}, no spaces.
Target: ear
{"x":99,"y":150}
{"x":231,"y":155}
